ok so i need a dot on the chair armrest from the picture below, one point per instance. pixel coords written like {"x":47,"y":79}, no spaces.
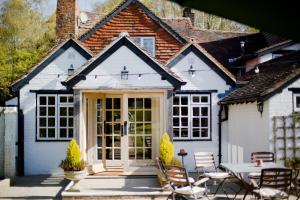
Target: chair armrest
{"x":201,"y":181}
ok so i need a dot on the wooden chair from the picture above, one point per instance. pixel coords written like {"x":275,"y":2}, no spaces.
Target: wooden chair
{"x":179,"y":183}
{"x":205,"y":162}
{"x":274,"y":183}
{"x":265,"y":156}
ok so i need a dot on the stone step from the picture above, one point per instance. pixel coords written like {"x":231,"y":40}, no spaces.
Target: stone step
{"x":114,"y":169}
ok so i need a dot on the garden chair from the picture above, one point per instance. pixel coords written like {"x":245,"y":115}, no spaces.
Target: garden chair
{"x":179,"y":183}
{"x":274,"y":184}
{"x":162,"y":171}
{"x":205,"y":162}
{"x":265,"y":156}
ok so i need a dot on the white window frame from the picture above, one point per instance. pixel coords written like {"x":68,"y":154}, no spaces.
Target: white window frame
{"x":190,"y":116}
{"x":295,"y":95}
{"x":57,"y":117}
{"x":141,"y":42}
{"x":67,"y":105}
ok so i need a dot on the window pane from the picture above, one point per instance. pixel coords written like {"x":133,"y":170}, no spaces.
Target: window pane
{"x":139,"y":103}
{"x":71,"y":132}
{"x":148,"y":154}
{"x":99,"y":155}
{"x":131,"y":141}
{"x":139,"y":116}
{"x":108,"y":103}
{"x":139,"y":141}
{"x":43,"y":133}
{"x":51,"y":111}
{"x":176,"y":100}
{"x":117,"y":141}
{"x":148,"y":141}
{"x":51,"y":133}
{"x":148,"y":44}
{"x":63,"y":99}
{"x":71,"y":122}
{"x":117,"y":129}
{"x":132,"y":128}
{"x":51,"y":122}
{"x":196,"y":122}
{"x":42,"y":111}
{"x":196,"y":132}
{"x":108,"y":141}
{"x":63,"y":132}
{"x":43,"y":122}
{"x":184,"y":121}
{"x":117,"y":103}
{"x":204,"y":122}
{"x":139,"y":128}
{"x":148,"y":116}
{"x":131,"y":154}
{"x":42,"y":100}
{"x":108,"y":154}
{"x":184,"y":132}
{"x":139,"y":154}
{"x":204,"y":111}
{"x":63,"y":111}
{"x":148,"y":129}
{"x":51,"y":100}
{"x":99,"y":141}
{"x":71,"y":111}
{"x":131,"y":116}
{"x":196,"y":99}
{"x":63,"y":122}
{"x":204,"y":99}
{"x":108,"y":129}
{"x":176,"y":111}
{"x":204,"y":132}
{"x":184,"y":100}
{"x":298,"y":102}
{"x":117,"y":154}
{"x":117,"y":116}
{"x":176,"y":132}
{"x":196,"y":111}
{"x":184,"y":111}
{"x":71,"y":99}
{"x":148,"y":103}
{"x":131,"y":104}
{"x":109,"y":116}
{"x":175,"y":121}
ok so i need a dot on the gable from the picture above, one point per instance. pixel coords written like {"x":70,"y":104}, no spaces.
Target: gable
{"x":55,"y":64}
{"x":133,"y":17}
{"x":109,"y":64}
{"x":202,"y":63}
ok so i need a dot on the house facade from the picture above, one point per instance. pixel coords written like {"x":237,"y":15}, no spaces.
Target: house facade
{"x":116,"y":85}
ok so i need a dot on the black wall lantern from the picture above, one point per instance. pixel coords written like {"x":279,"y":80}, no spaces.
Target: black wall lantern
{"x":260,"y":107}
{"x":192,"y":72}
{"x":71,"y":70}
{"x":124,"y":74}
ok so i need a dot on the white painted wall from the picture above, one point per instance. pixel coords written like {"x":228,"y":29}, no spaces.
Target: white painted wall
{"x":44,"y":157}
{"x":12,"y":102}
{"x":109,"y":73}
{"x":206,"y":79}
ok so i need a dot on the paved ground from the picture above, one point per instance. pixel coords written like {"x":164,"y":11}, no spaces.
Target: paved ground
{"x":45,"y":187}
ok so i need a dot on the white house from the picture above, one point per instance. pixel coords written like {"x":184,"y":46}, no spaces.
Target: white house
{"x":116,"y":88}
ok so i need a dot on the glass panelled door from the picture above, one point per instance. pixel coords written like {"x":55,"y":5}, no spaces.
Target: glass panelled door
{"x":140,"y":128}
{"x":112,"y":129}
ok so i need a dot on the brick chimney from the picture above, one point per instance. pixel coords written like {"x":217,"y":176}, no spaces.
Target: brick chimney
{"x":187,"y":12}
{"x":66,"y":18}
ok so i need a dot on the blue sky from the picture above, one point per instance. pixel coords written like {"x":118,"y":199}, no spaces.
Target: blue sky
{"x":50,"y":6}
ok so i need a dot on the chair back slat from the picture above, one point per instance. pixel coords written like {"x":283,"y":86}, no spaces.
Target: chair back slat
{"x":265,"y":156}
{"x":204,"y":159}
{"x":279,"y":178}
{"x":177,"y":176}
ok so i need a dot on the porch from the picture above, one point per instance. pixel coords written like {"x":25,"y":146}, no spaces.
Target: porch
{"x":120,"y":129}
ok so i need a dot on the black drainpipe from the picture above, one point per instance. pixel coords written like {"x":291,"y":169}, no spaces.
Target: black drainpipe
{"x":220,"y":128}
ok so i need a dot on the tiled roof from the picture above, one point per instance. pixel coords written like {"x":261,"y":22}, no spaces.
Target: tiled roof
{"x":226,"y":49}
{"x":183,"y":26}
{"x":91,"y":20}
{"x":273,"y":76}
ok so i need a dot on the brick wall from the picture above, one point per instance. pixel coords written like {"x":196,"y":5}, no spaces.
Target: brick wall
{"x":66,"y":18}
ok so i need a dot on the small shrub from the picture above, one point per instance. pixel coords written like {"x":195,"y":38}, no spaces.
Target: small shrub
{"x":73,"y":161}
{"x":166,"y":149}
{"x":176,"y":162}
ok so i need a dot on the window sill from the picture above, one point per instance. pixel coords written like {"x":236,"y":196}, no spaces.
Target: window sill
{"x":191,"y":140}
{"x":39,"y":140}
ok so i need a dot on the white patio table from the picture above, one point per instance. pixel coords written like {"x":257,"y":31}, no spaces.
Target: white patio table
{"x":241,"y":171}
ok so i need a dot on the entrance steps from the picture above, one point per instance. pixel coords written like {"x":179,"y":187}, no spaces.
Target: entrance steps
{"x":114,"y":169}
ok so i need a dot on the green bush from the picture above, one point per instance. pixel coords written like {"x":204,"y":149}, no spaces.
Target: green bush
{"x":166,"y":149}
{"x":176,"y":162}
{"x":293,"y":163}
{"x":73,"y":161}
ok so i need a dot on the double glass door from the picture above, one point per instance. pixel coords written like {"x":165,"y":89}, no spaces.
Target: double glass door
{"x":124,"y":129}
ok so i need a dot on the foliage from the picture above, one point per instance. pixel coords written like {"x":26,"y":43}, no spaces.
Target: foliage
{"x":25,"y":37}
{"x":166,"y":149}
{"x":168,"y":9}
{"x":294,"y":162}
{"x":176,"y":162}
{"x":73,"y":160}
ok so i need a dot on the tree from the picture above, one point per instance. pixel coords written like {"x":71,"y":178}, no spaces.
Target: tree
{"x":25,"y":35}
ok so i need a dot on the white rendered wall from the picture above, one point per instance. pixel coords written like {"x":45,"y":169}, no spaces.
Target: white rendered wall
{"x":248,"y":131}
{"x":12,"y":102}
{"x":206,"y":79}
{"x":109,"y":73}
{"x":44,"y":157}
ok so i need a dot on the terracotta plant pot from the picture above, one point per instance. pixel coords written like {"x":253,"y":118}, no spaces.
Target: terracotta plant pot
{"x":75,"y":177}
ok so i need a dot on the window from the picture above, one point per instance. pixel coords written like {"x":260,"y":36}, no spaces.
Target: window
{"x":147,"y":43}
{"x":297,"y":102}
{"x":191,"y":116}
{"x":55,"y":117}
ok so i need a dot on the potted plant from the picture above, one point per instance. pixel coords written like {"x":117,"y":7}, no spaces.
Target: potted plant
{"x":73,"y":165}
